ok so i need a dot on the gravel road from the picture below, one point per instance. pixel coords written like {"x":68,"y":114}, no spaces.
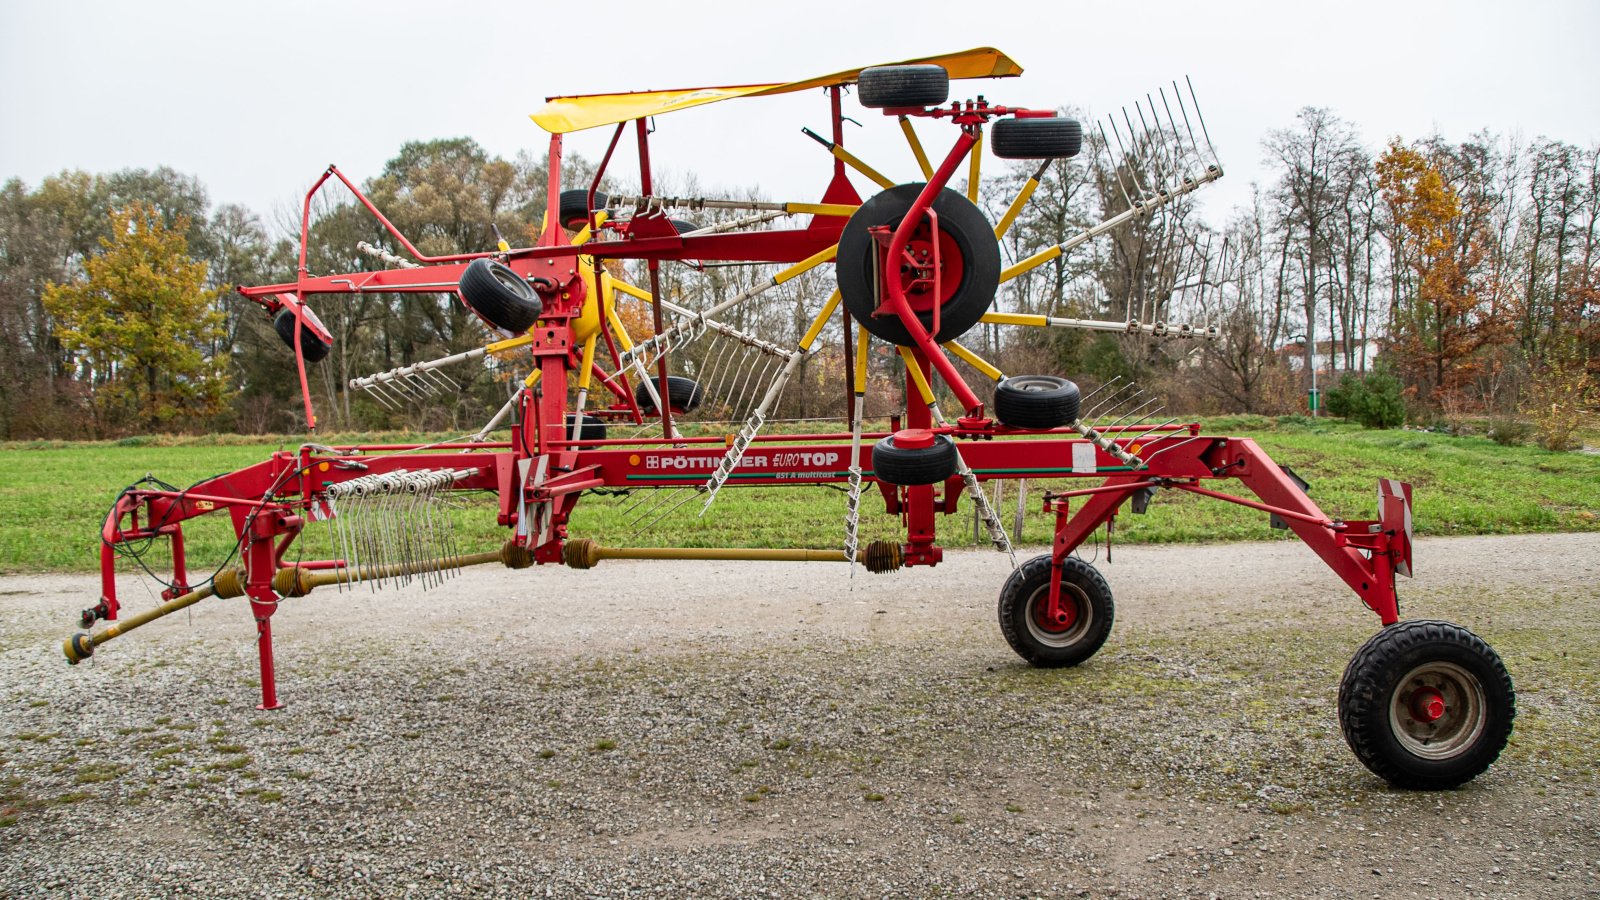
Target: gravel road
{"x":695,"y":729}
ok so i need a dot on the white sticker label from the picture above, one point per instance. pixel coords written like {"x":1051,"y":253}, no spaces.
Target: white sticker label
{"x":1083,"y":457}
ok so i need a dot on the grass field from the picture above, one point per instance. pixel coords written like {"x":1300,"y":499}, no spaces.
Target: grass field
{"x":54,"y":495}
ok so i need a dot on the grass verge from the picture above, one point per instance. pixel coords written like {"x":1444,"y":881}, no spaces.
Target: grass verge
{"x":54,"y":495}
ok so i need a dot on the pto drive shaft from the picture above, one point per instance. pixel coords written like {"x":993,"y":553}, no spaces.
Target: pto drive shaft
{"x":288,"y":582}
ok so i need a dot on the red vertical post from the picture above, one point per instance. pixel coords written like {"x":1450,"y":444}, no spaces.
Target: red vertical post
{"x":257,"y":532}
{"x":180,"y":566}
{"x":838,"y":128}
{"x":920,"y":527}
{"x":646,"y":187}
{"x":108,"y":579}
{"x":553,"y":236}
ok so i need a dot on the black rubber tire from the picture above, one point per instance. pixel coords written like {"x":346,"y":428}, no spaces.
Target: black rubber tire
{"x":1380,"y":688}
{"x":1040,"y":644}
{"x":574,"y":207}
{"x":883,"y":87}
{"x":684,"y":226}
{"x":1036,"y":401}
{"x":683,"y":395}
{"x":500,"y":296}
{"x":966,"y":226}
{"x":915,"y":465}
{"x":1057,"y":138}
{"x":312,"y":347}
{"x":593,"y":429}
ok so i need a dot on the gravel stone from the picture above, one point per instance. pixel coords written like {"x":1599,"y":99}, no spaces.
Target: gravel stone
{"x":754,"y":730}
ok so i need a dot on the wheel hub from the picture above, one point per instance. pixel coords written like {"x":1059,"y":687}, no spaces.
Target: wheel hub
{"x":1063,"y":626}
{"x":930,"y":279}
{"x":1427,"y":705}
{"x":1438,"y":710}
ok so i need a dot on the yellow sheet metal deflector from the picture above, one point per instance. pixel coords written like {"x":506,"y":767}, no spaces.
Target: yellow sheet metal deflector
{"x":561,"y":115}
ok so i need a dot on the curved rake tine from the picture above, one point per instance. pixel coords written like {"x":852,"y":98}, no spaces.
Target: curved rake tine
{"x":1198,"y":437}
{"x":688,"y":495}
{"x":1154,"y":429}
{"x":1151,"y":138}
{"x":1177,"y":142}
{"x":1097,"y":390}
{"x":1113,"y":167}
{"x":1198,"y":115}
{"x":1112,"y":402}
{"x":1118,"y":422}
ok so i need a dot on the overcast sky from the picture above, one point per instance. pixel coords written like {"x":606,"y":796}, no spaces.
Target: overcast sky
{"x":256,"y":99}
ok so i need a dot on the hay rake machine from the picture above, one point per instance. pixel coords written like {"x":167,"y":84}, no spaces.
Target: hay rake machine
{"x":1423,"y":704}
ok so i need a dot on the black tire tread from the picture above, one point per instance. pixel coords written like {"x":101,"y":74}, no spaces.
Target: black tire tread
{"x":913,"y":466}
{"x":574,"y":206}
{"x":959,"y":218}
{"x":883,"y":87}
{"x":683,"y":394}
{"x":593,"y":429}
{"x":1036,"y":409}
{"x":1364,"y":699}
{"x":312,"y":346}
{"x":1022,"y":584}
{"x":1055,"y":138}
{"x":514,"y":309}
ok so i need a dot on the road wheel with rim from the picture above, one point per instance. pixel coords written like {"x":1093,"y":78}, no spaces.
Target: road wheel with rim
{"x":500,"y":296}
{"x":1426,"y":705}
{"x":1036,"y":401}
{"x":1084,"y":622}
{"x":969,"y":265}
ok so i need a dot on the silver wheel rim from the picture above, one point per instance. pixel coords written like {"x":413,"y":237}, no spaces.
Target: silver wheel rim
{"x":1465,"y":715}
{"x":1070,"y":593}
{"x":512,"y":281}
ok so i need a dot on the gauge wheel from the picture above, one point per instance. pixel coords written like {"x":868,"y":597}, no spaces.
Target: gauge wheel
{"x":574,"y":207}
{"x":592,"y":429}
{"x":1052,"y":138}
{"x":887,"y":87}
{"x":500,"y":296}
{"x":1082,"y":626}
{"x":1036,"y":401}
{"x":684,"y":395}
{"x":312,"y":347}
{"x":1426,"y":705}
{"x":915,"y":456}
{"x":968,"y":271}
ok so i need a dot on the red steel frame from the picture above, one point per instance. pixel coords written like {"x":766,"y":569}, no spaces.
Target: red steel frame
{"x":269,"y":502}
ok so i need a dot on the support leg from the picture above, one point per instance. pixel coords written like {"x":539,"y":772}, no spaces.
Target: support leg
{"x":269,"y":685}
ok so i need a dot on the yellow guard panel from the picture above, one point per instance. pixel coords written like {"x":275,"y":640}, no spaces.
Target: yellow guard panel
{"x":560,"y":115}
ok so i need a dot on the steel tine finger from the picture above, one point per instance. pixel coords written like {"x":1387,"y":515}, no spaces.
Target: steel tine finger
{"x":1111,"y":164}
{"x":1177,"y":143}
{"x":1110,"y":400}
{"x":1120,"y":420}
{"x":1202,"y":119}
{"x":1103,"y":385}
{"x":1154,"y":429}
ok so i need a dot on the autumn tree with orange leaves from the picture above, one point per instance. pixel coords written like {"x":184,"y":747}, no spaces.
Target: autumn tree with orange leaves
{"x":1446,"y":318}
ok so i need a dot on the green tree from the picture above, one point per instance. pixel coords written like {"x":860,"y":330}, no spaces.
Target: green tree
{"x":140,"y":325}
